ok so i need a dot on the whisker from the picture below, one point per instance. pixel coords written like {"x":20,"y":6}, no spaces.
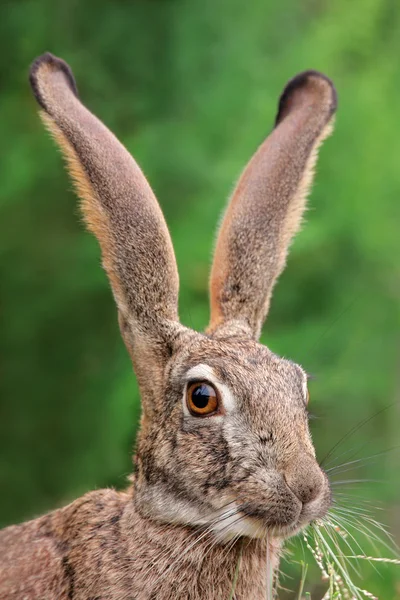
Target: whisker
{"x":357,"y":512}
{"x":362,"y":511}
{"x":367,"y":504}
{"x":360,"y":461}
{"x":370,"y":534}
{"x":349,"y":481}
{"x":351,"y":451}
{"x":354,"y":429}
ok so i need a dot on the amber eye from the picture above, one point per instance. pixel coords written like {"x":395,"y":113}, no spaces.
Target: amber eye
{"x":202,"y":398}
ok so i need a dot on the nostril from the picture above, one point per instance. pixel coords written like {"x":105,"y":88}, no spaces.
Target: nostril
{"x":309,"y":493}
{"x":306,"y":485}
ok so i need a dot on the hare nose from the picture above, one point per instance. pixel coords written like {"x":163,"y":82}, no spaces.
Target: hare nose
{"x":305,"y":479}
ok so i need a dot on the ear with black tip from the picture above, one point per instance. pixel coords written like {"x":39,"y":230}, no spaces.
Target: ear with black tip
{"x":267,"y":205}
{"x":122,"y":211}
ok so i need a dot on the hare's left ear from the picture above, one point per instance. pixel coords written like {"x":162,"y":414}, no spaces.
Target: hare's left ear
{"x":267,"y":206}
{"x":122,"y":211}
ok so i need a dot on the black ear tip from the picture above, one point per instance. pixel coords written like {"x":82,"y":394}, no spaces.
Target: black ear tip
{"x":319,"y":87}
{"x":48,"y":63}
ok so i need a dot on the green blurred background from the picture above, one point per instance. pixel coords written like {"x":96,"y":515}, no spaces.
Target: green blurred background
{"x":191,"y":88}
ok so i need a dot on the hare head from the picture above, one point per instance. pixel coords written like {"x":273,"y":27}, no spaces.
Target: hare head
{"x":224,"y":438}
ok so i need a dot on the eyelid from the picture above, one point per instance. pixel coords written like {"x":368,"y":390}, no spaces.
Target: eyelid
{"x":201,"y":372}
{"x":189,"y":380}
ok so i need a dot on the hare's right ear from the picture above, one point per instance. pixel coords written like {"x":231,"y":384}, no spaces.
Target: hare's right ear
{"x":122,"y":211}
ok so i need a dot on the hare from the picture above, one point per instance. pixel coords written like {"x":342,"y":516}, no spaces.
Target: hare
{"x":225,"y":466}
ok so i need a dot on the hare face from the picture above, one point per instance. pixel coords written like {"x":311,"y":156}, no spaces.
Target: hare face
{"x":249,"y":466}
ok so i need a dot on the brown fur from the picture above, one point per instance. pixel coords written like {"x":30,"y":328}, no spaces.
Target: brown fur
{"x":210,"y":496}
{"x":100,"y":547}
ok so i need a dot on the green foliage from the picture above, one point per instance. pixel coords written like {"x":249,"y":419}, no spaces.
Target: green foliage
{"x":191,"y":89}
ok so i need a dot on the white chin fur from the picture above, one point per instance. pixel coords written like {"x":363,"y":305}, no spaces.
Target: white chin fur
{"x":236,"y":524}
{"x":225,"y":523}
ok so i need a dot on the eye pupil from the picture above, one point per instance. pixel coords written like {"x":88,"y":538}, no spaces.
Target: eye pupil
{"x":201,"y":396}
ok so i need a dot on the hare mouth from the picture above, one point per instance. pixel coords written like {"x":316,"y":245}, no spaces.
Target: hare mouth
{"x":255,"y":528}
{"x":287,"y":520}
{"x":257,"y":523}
{"x":246,"y":521}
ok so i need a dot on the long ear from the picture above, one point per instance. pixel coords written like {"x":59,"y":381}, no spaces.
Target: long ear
{"x":267,"y":206}
{"x":122,"y":211}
